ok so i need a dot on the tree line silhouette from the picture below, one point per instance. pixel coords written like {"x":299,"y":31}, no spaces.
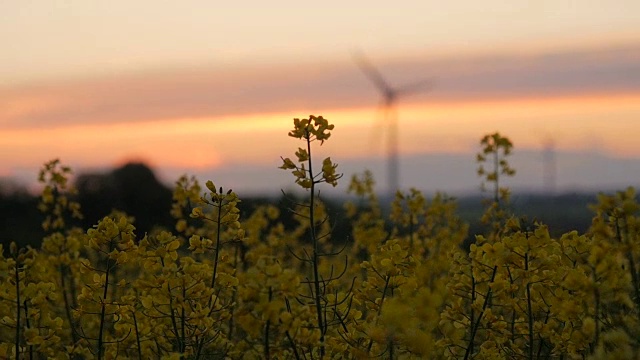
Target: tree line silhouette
{"x":134,"y":189}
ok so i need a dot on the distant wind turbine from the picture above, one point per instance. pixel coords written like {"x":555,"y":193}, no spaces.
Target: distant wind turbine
{"x":549,"y":166}
{"x":390,"y":96}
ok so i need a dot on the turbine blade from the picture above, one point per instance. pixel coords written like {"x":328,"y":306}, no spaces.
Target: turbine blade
{"x":372,"y":73}
{"x":418,"y":86}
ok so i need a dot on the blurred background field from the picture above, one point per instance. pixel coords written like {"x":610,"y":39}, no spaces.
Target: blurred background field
{"x":135,"y":189}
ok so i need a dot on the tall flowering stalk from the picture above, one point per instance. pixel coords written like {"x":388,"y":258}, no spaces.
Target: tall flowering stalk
{"x":493,"y":166}
{"x":311,"y":130}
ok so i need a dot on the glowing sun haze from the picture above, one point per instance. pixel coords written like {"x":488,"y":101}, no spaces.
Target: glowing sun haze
{"x":203,"y":85}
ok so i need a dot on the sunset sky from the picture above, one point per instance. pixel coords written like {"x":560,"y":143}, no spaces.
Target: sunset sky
{"x":211,"y":88}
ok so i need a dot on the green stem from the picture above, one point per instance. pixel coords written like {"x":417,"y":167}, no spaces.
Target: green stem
{"x":267,"y":329}
{"x":485,"y":304}
{"x":103,"y":306}
{"x":18,"y":306}
{"x":135,"y":325}
{"x":174,"y":323}
{"x":513,"y":312}
{"x":26,"y":319}
{"x":219,"y":205}
{"x":183,"y":318}
{"x":529,"y":307}
{"x":314,"y":240}
{"x":293,"y":345}
{"x":234,"y":295}
{"x":596,"y":294}
{"x":219,"y":227}
{"x":384,"y":293}
{"x":67,"y":307}
{"x":472,"y":316}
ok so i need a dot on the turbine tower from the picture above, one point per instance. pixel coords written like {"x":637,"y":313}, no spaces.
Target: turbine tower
{"x":549,"y":167}
{"x":390,"y":96}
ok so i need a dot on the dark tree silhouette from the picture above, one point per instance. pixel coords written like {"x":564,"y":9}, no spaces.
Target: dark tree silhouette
{"x":132,"y":188}
{"x":20,"y":220}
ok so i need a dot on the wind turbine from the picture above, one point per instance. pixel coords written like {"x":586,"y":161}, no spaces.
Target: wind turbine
{"x":390,"y":96}
{"x":549,"y":166}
